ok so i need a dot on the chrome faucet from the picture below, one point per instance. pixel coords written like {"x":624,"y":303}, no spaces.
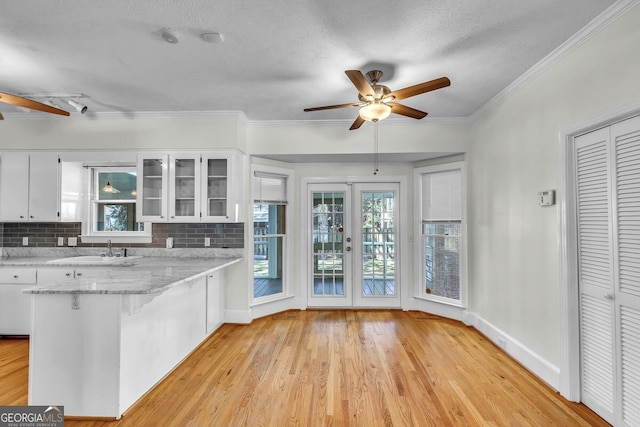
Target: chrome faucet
{"x":109,"y":250}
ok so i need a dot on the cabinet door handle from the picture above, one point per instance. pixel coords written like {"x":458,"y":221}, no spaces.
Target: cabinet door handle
{"x":21,"y":216}
{"x":68,"y":274}
{"x":15,"y":276}
{"x":608,"y":296}
{"x":31,"y":216}
{"x":78,"y":274}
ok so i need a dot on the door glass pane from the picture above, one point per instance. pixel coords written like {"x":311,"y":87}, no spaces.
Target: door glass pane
{"x":378,"y":245}
{"x":328,"y":256}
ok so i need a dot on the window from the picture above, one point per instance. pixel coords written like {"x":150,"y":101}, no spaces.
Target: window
{"x":112,"y":207}
{"x":442,"y":225}
{"x":269,"y":235}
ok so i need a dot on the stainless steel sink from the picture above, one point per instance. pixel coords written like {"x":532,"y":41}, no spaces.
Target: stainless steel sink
{"x":93,"y":259}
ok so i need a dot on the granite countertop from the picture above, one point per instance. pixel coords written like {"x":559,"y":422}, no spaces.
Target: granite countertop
{"x":138,"y":276}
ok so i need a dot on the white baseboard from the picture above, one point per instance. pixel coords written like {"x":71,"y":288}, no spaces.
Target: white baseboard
{"x":243,"y":317}
{"x":439,"y":309}
{"x":273,"y":307}
{"x":547,"y":372}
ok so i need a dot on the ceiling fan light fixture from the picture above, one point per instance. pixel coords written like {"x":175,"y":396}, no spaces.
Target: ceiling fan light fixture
{"x":375,"y":112}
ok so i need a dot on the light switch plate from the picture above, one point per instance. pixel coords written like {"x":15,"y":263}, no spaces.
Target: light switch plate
{"x":207,"y":241}
{"x":60,"y":241}
{"x":73,"y":241}
{"x":25,"y":241}
{"x":169,"y":242}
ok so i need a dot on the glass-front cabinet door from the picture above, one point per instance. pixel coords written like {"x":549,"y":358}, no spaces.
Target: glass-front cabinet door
{"x":188,"y":187}
{"x":184,"y":188}
{"x":152,"y":187}
{"x":217,"y":188}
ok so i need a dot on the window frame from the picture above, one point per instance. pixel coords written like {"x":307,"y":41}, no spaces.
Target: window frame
{"x":420,"y":241}
{"x":89,"y":232}
{"x":287,"y":236}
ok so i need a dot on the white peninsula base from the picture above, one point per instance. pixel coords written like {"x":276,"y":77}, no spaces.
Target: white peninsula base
{"x":97,"y":354}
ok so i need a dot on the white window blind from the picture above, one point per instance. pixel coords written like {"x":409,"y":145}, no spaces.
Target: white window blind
{"x":269,"y":188}
{"x":442,"y":196}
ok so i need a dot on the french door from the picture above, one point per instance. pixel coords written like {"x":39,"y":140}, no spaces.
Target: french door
{"x":353,"y":257}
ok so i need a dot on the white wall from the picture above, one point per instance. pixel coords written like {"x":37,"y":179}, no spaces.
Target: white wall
{"x":513,"y":243}
{"x":117,"y":132}
{"x":394,"y":136}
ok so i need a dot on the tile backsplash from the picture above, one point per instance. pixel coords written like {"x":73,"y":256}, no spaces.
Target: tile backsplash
{"x":185,"y":235}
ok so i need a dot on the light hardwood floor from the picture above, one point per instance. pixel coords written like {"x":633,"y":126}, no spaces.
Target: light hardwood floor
{"x":339,"y":368}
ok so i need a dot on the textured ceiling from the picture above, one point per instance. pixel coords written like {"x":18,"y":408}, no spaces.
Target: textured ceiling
{"x":278,"y":56}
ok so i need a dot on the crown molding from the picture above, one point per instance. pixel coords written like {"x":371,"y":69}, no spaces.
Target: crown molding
{"x":35,"y":115}
{"x":600,"y":22}
{"x":348,"y":122}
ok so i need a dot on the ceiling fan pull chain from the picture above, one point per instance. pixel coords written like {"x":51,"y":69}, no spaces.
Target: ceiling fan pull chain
{"x":375,"y":147}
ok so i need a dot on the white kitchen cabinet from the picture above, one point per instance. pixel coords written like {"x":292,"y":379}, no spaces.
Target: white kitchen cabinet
{"x":184,"y":187}
{"x":29,"y":187}
{"x":189,"y":187}
{"x":60,"y":274}
{"x":220,"y":189}
{"x":15,"y":307}
{"x":152,"y":192}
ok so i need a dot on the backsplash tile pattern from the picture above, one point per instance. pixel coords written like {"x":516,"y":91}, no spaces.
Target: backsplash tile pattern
{"x":185,"y":235}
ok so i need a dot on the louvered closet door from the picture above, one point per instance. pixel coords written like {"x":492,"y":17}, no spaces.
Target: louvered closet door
{"x":596,"y":275}
{"x":626,"y":138}
{"x":608,"y":194}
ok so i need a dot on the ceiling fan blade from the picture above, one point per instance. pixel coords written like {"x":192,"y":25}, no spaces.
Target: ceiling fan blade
{"x":407,"y":111}
{"x":19,"y":101}
{"x":357,"y":123}
{"x":330,"y":107}
{"x":420,"y":88}
{"x":360,"y":82}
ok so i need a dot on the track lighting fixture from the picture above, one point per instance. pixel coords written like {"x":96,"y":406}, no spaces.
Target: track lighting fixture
{"x":80,"y":108}
{"x":52,"y":103}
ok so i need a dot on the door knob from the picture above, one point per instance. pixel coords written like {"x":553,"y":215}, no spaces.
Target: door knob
{"x":348,"y":248}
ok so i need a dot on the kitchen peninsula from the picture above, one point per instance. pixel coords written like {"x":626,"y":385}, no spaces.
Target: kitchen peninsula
{"x":100,"y":341}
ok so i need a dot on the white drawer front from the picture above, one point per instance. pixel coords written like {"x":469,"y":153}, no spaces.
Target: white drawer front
{"x":17,"y":275}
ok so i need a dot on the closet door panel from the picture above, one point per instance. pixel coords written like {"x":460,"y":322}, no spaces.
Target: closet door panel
{"x":626,"y":140}
{"x":596,"y":272}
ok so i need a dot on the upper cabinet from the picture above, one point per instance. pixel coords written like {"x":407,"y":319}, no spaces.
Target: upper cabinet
{"x":29,"y":187}
{"x":189,"y":187}
{"x":152,"y":192}
{"x":219,"y":195}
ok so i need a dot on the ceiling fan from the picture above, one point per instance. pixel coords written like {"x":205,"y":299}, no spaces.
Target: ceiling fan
{"x":378,"y":101}
{"x":19,"y":101}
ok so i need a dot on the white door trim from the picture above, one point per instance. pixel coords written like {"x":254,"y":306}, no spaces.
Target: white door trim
{"x":403,"y":228}
{"x":569,"y":385}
